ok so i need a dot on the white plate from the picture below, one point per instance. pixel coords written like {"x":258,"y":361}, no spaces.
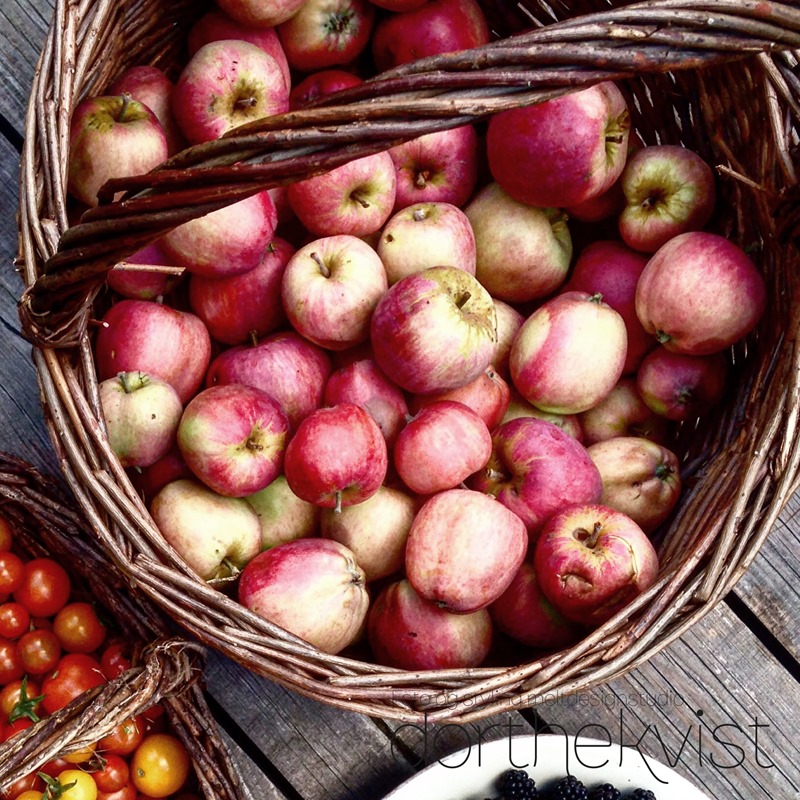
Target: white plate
{"x":470,"y":774}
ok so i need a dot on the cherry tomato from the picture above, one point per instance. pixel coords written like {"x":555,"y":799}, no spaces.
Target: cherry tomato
{"x":80,"y":756}
{"x":114,"y":775}
{"x":74,"y":674}
{"x":45,"y":587}
{"x":13,"y":728}
{"x":127,"y":792}
{"x":12,"y":570}
{"x":55,"y":767}
{"x":77,"y":785}
{"x":31,"y":782}
{"x":124,"y":739}
{"x":14,"y":620}
{"x":78,"y":628}
{"x":153,"y":719}
{"x":39,"y":651}
{"x":29,"y":794}
{"x":6,"y":535}
{"x":20,"y":698}
{"x":11,"y":668}
{"x":114,"y":662}
{"x":160,"y":765}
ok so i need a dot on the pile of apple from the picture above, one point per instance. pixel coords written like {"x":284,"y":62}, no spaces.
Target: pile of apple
{"x":386,"y":401}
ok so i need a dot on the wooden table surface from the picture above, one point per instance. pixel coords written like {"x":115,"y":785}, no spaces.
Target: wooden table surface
{"x":732,"y":679}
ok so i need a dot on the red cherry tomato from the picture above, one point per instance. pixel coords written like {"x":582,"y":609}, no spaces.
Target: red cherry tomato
{"x":12,"y":570}
{"x":74,"y":674}
{"x":124,"y":739}
{"x":30,"y":782}
{"x":55,"y":767}
{"x":14,"y":620}
{"x":78,"y":628}
{"x":45,"y":587}
{"x":39,"y":651}
{"x":11,"y":668}
{"x":127,"y":792}
{"x":114,"y":775}
{"x":13,"y":728}
{"x":114,"y":661}
{"x":6,"y":535}
{"x":153,"y":719}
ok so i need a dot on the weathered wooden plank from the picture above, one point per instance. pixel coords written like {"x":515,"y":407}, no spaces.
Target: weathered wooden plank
{"x":23,"y":26}
{"x":254,"y":781}
{"x":22,"y":432}
{"x":324,"y":752}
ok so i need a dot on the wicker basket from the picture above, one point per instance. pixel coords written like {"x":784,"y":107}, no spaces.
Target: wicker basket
{"x":715,"y":75}
{"x":166,"y":669}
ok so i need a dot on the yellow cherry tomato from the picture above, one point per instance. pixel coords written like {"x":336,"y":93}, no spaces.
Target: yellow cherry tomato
{"x":80,"y":756}
{"x":160,"y":765}
{"x":30,"y":794}
{"x":81,"y":785}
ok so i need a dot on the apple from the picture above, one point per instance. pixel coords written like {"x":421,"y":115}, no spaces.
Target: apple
{"x":330,"y":288}
{"x":151,"y":87}
{"x":226,"y":84}
{"x":258,"y":14}
{"x":680,"y":387}
{"x":375,"y":530}
{"x":312,"y":588}
{"x":612,"y":270}
{"x":215,"y":535}
{"x":535,"y":163}
{"x":591,"y":561}
{"x":398,"y":5}
{"x":284,"y":517}
{"x":600,"y":207}
{"x":509,"y":321}
{"x":143,"y":285}
{"x":668,"y":190}
{"x":426,"y":235}
{"x":284,"y":365}
{"x":355,"y":198}
{"x":139,"y":335}
{"x":523,"y":253}
{"x":363,"y":383}
{"x":569,"y":354}
{"x":321,"y":84}
{"x":536,"y":469}
{"x":526,"y":615}
{"x":149,"y":481}
{"x":237,"y":307}
{"x":463,"y":550}
{"x":438,"y":167}
{"x":438,"y":26}
{"x":441,"y":447}
{"x":699,"y":294}
{"x":111,"y":137}
{"x":337,"y":457}
{"x":410,"y":633}
{"x":233,"y":438}
{"x":326,"y":33}
{"x":640,"y":478}
{"x":214,"y":26}
{"x":434,"y":330}
{"x":520,"y":408}
{"x":488,"y":396}
{"x":623,"y":413}
{"x":230,"y":241}
{"x":141,"y":414}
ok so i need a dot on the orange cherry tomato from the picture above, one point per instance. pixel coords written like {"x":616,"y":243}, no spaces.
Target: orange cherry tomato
{"x":124,"y":739}
{"x":78,"y":628}
{"x":160,"y":765}
{"x":80,"y":756}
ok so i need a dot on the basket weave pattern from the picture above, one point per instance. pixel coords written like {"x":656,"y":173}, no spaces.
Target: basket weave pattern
{"x":166,"y":668}
{"x":720,"y":77}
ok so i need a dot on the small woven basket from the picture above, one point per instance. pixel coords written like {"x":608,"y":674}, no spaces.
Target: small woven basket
{"x":166,"y":668}
{"x":718,"y":76}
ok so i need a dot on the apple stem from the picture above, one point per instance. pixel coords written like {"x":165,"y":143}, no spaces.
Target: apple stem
{"x":421,"y":181}
{"x":420,"y":215}
{"x":360,"y":200}
{"x":586,"y":538}
{"x":233,"y":570}
{"x":252,"y":444}
{"x":597,"y":298}
{"x":494,"y":475}
{"x":132,"y":381}
{"x":245,"y":102}
{"x":123,"y":109}
{"x":337,"y":509}
{"x":462,"y":301}
{"x":663,"y":472}
{"x":321,"y":264}
{"x":253,"y":338}
{"x":662,"y":337}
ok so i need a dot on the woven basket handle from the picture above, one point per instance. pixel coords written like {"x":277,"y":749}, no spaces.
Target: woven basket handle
{"x":428,"y":95}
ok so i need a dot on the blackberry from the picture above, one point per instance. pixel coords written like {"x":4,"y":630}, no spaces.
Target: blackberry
{"x":516,"y":784}
{"x":569,"y":788}
{"x":605,"y":792}
{"x":642,"y":794}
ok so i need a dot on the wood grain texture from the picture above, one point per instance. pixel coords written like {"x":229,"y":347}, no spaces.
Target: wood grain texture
{"x":257,"y":785}
{"x":23,"y":26}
